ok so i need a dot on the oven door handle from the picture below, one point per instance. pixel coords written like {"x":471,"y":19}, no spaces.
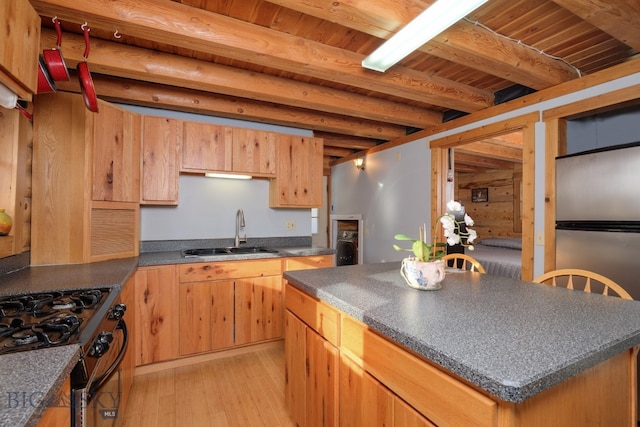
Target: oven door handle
{"x":97,"y":383}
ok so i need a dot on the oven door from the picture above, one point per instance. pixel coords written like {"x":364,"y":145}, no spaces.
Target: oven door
{"x":98,"y":403}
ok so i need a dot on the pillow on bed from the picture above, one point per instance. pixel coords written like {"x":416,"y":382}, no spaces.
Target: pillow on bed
{"x":502,"y":242}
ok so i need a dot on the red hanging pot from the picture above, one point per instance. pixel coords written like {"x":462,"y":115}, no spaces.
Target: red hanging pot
{"x":86,"y":83}
{"x":54,"y":60}
{"x":45,"y":83}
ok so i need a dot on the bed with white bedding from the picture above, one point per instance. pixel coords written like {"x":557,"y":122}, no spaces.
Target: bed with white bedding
{"x":501,"y":256}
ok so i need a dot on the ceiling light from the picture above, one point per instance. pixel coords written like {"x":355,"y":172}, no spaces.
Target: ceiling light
{"x":227,"y":175}
{"x":437,"y":18}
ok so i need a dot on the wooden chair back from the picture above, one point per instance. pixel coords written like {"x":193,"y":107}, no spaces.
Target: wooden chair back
{"x":463,"y":262}
{"x":569,"y":276}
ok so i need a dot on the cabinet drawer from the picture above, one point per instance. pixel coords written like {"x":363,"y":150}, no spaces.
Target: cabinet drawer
{"x":307,"y":262}
{"x":316,"y":314}
{"x":435,"y":394}
{"x":201,"y":271}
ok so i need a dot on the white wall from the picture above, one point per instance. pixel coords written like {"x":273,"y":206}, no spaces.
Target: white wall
{"x":392,"y":194}
{"x":207,"y":206}
{"x":395,"y":197}
{"x":207,"y":210}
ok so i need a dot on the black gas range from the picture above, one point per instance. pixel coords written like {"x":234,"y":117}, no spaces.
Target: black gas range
{"x":45,"y":319}
{"x":90,"y":318}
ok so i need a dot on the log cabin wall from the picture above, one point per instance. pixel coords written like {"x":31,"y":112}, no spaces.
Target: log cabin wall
{"x":499,"y":216}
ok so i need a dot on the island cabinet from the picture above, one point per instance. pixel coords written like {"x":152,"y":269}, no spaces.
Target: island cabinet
{"x":227,"y":304}
{"x":298,"y":182}
{"x":383,"y":383}
{"x":86,"y":170}
{"x":161,"y":141}
{"x":19,"y":48}
{"x":311,"y":360}
{"x":156,"y":314}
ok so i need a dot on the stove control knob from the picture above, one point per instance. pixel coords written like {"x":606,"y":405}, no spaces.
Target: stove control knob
{"x":117,"y":312}
{"x":101,"y":344}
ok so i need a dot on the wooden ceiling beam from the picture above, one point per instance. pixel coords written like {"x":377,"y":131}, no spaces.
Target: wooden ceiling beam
{"x":203,"y":31}
{"x":188,"y":100}
{"x":345,"y":141}
{"x":480,"y":161}
{"x":621,"y":18}
{"x":464,"y":43}
{"x":142,"y":64}
{"x":485,"y":149}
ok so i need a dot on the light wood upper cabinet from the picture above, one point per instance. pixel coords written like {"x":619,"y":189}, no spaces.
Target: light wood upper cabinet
{"x":67,"y":225}
{"x":298,"y":181}
{"x":254,"y":152}
{"x":206,"y":147}
{"x":161,"y":139}
{"x":116,"y":154}
{"x":20,"y":47}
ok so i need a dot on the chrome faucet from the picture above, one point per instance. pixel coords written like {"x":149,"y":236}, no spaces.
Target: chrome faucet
{"x":240,"y":224}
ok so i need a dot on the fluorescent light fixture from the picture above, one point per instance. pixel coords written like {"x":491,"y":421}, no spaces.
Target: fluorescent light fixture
{"x":227,"y":175}
{"x":437,"y":18}
{"x":8,"y":99}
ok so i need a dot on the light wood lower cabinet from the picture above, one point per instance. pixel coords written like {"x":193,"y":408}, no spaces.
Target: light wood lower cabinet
{"x":364,"y":401}
{"x":57,"y":416}
{"x":156,"y":324}
{"x":259,"y":309}
{"x":311,"y":375}
{"x":228,"y":304}
{"x":206,"y":316}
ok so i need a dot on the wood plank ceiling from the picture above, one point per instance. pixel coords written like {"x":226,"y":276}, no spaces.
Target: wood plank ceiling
{"x":297,"y":62}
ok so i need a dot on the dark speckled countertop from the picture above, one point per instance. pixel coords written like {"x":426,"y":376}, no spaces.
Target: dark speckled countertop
{"x":513,"y":339}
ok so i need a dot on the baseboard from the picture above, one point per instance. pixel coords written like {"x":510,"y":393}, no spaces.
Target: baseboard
{"x":190,"y":360}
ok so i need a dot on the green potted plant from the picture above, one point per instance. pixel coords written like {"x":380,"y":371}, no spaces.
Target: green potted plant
{"x":425,"y":269}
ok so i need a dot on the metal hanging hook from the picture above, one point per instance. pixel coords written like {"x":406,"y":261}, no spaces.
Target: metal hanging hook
{"x":117,"y":35}
{"x":85,"y":27}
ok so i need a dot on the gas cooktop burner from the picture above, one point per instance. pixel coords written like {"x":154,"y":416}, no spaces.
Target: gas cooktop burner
{"x":32,"y":321}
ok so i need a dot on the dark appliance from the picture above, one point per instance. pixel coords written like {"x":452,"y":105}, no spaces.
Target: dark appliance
{"x":90,"y":318}
{"x":347,"y":248}
{"x":598,"y":213}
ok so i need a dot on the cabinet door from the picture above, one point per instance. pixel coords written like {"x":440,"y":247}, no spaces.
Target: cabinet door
{"x":156,"y":326}
{"x":206,"y":147}
{"x":116,"y":154}
{"x":299,"y":178}
{"x":321,"y":386}
{"x":206,"y":316}
{"x":20,"y":47}
{"x":364,"y":401}
{"x":405,"y":416}
{"x":56,"y":416}
{"x":254,"y":152}
{"x":259,"y":309}
{"x":295,"y":336}
{"x":160,"y":157}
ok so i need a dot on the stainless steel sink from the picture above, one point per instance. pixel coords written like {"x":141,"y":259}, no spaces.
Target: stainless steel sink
{"x":226,"y":251}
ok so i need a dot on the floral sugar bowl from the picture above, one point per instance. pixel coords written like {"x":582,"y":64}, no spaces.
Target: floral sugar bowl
{"x":5,"y":223}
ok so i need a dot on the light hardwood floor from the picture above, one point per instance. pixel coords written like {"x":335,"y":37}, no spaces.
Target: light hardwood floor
{"x":241,"y":390}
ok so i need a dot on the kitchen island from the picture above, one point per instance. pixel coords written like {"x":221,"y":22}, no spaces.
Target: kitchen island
{"x":483,"y":350}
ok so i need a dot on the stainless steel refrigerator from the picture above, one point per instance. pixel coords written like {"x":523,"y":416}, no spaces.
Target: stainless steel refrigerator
{"x":598,"y":213}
